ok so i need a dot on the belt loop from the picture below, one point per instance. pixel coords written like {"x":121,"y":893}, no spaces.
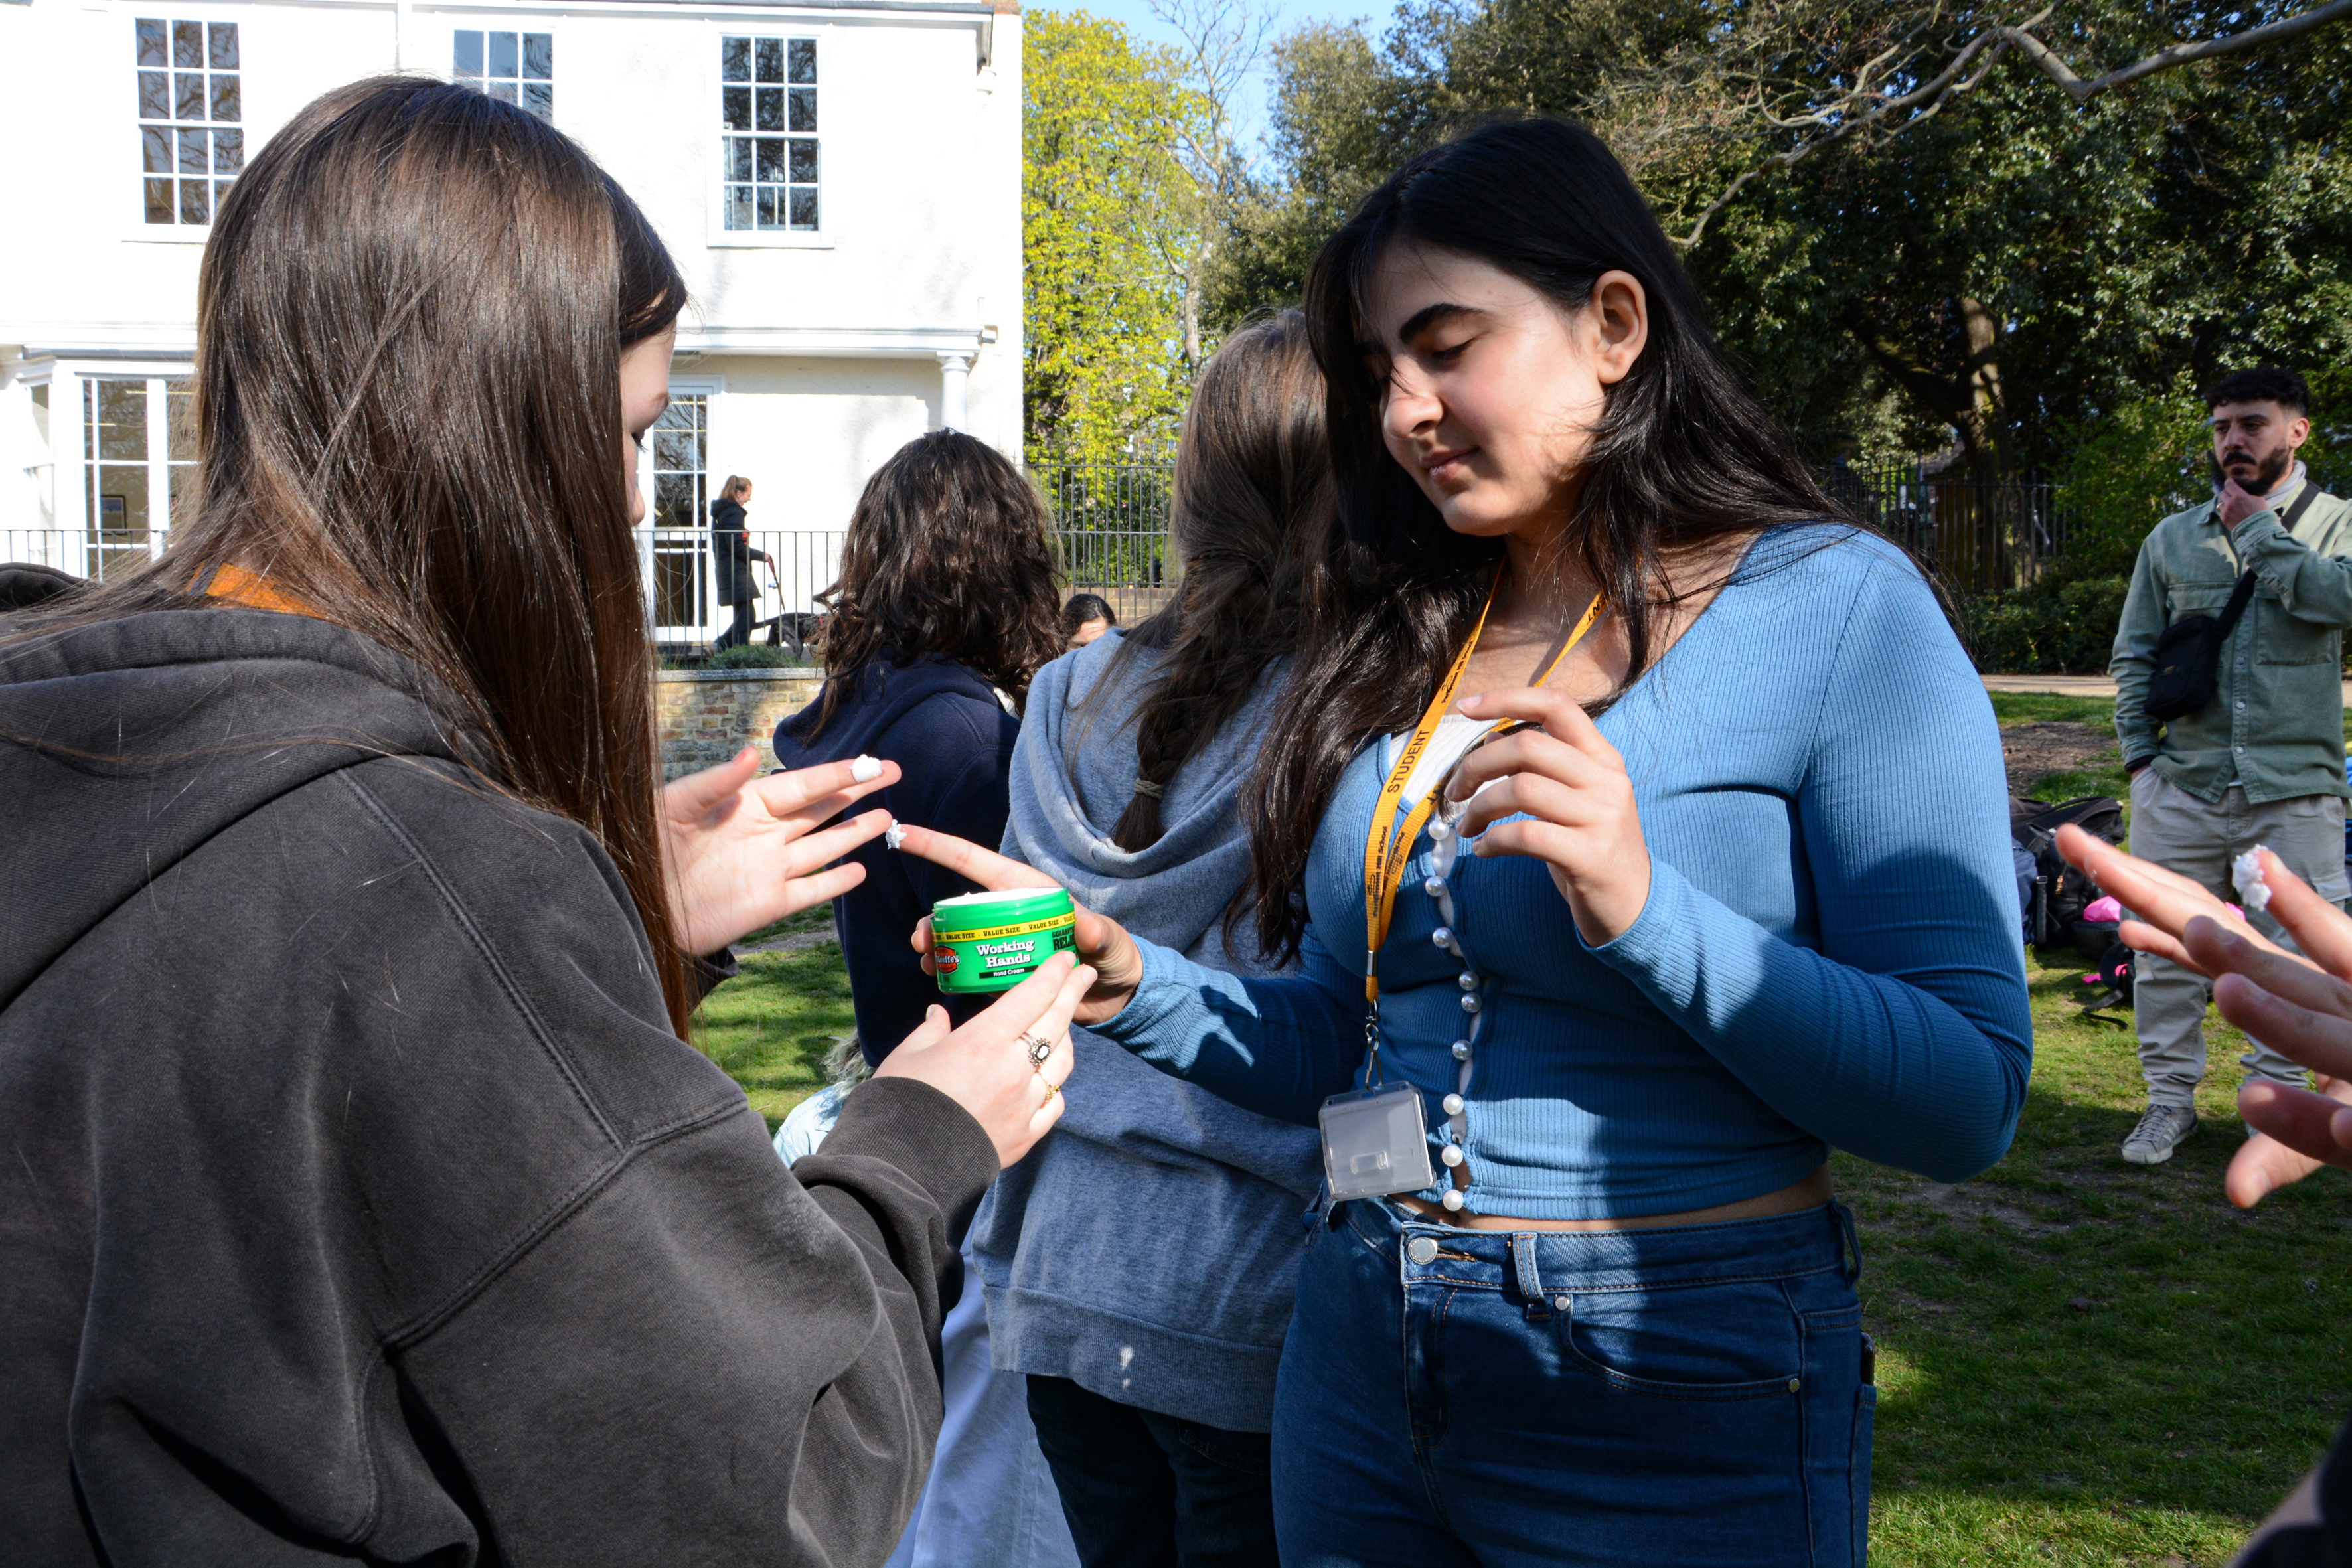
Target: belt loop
{"x":1523,"y":1259}
{"x":1850,"y":1247}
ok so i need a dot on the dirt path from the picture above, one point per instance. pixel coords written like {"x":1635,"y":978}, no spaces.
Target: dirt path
{"x":2035,"y":751}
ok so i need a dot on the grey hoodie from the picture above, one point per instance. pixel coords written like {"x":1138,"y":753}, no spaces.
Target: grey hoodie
{"x":1168,"y":1222}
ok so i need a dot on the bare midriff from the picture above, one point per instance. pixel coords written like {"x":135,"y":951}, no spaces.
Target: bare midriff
{"x":1811,"y":1191}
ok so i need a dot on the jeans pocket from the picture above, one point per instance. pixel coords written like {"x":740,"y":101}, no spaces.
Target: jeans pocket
{"x":1734,"y":1341}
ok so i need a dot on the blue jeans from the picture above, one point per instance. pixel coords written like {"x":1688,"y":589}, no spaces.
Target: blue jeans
{"x":1680,"y":1397}
{"x":1145,"y":1490}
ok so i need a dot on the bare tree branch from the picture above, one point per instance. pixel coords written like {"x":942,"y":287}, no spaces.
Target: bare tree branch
{"x":1860,"y":108}
{"x":1934,"y":93}
{"x":2082,"y":91}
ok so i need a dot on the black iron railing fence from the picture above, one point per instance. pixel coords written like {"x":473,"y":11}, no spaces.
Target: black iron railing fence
{"x":1110,"y":522}
{"x":1979,"y":531}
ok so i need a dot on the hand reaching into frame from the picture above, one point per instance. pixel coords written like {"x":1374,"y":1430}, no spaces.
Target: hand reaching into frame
{"x":1573,"y":785}
{"x":1103,"y":942}
{"x":985,"y":1066}
{"x":742,"y":852}
{"x":2301,"y":1006}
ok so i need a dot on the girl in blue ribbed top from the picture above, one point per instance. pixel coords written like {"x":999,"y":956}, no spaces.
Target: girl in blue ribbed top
{"x":1650,"y":823}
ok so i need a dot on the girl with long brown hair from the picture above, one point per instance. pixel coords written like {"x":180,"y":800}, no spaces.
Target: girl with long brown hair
{"x":1151,"y":1347}
{"x":365,"y":1199}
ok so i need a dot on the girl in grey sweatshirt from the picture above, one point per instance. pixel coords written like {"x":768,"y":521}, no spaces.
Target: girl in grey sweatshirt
{"x":1139,"y":1265}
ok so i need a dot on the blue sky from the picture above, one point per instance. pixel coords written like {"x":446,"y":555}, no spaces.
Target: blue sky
{"x":1137,"y":17}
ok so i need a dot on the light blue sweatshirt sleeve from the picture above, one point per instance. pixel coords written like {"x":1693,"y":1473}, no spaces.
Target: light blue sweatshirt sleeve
{"x":1907,"y":1037}
{"x":1278,"y":1047}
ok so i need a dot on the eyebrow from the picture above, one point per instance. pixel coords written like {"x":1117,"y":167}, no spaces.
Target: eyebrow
{"x":1428,"y":316}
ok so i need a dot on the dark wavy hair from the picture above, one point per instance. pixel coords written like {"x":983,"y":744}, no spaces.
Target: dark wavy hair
{"x":409,"y":324}
{"x":2267,"y":384}
{"x":1253,"y":479}
{"x":947,"y":553}
{"x":1683,"y":456}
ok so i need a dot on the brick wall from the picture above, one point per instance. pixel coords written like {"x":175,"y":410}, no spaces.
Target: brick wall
{"x":705,"y":716}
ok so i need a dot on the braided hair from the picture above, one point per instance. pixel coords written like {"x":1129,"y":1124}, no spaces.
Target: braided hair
{"x":1253,"y":478}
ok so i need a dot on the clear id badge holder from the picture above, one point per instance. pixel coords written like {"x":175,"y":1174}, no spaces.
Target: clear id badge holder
{"x":1375,"y":1142}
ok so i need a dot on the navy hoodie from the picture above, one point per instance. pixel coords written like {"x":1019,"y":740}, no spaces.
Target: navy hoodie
{"x":953,"y":741}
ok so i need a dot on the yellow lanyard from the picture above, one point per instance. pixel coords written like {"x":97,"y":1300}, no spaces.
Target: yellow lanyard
{"x":1385,"y":852}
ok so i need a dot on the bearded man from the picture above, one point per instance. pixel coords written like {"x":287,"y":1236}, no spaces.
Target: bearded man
{"x":2260,"y":759}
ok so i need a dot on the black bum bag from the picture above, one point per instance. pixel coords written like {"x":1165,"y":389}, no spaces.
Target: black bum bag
{"x":2189,"y":654}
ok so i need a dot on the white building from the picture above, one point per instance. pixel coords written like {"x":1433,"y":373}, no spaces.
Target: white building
{"x":840,"y":181}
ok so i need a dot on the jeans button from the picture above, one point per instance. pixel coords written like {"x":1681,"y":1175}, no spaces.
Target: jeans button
{"x":1420,"y":1250}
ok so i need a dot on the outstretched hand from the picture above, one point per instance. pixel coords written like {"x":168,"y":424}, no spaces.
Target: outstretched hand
{"x":2299,"y":1006}
{"x":1573,"y":785}
{"x":1103,"y":942}
{"x":742,"y":852}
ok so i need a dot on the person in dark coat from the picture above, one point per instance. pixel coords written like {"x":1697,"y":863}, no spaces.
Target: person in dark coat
{"x":945,"y":609}
{"x":365,"y":1199}
{"x":732,"y":554}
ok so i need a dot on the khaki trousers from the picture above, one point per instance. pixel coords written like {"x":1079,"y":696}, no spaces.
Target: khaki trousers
{"x":2183,"y":834}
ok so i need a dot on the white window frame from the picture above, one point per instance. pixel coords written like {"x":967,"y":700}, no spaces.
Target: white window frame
{"x":70,"y":459}
{"x":176,"y":233}
{"x":710,"y":389}
{"x":825,"y":235}
{"x":481,"y":83}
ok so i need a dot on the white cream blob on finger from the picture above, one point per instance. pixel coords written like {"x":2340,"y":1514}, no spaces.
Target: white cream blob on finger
{"x":894,"y":837}
{"x":865,"y":770}
{"x":2246,"y":873}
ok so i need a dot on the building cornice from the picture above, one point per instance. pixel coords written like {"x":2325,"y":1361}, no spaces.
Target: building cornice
{"x":833,"y":343}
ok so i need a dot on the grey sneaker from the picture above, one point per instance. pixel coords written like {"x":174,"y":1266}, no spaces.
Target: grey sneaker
{"x":2161,"y":1130}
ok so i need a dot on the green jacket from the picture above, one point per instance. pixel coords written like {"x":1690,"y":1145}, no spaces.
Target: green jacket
{"x":2277,"y":721}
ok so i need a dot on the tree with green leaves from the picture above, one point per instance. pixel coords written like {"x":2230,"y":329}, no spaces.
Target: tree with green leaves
{"x":1990,"y":255}
{"x":1105,"y":205}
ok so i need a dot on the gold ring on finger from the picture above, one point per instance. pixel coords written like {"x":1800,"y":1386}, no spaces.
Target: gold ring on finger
{"x":1038,"y":1049}
{"x":1052,"y":1089}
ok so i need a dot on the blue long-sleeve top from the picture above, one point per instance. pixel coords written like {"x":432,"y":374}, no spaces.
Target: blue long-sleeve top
{"x":1829,"y":954}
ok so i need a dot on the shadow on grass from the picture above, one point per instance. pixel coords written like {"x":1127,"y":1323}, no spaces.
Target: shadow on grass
{"x":2086,"y":1362}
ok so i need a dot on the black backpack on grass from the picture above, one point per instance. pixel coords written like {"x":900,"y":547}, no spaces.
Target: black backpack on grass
{"x":2061,"y":893}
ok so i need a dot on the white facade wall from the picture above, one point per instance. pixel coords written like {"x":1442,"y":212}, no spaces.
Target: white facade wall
{"x":819,"y":354}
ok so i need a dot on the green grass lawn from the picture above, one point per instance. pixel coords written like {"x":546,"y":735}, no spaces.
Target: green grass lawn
{"x":770,"y":1026}
{"x":2081,"y":1362}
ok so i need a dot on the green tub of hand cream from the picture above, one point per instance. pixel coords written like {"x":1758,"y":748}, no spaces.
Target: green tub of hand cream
{"x":991,"y":942}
